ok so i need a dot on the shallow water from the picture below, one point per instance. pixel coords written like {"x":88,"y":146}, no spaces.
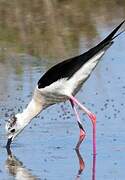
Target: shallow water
{"x":28,"y":47}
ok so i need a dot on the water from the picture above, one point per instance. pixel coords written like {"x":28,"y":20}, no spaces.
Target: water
{"x":33,"y":37}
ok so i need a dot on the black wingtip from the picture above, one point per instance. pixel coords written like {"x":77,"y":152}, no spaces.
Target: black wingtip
{"x":111,"y":36}
{"x":117,"y":28}
{"x":122,"y":22}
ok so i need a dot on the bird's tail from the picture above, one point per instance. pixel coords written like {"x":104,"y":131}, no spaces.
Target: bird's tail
{"x":111,"y":36}
{"x":118,"y":34}
{"x":108,"y":41}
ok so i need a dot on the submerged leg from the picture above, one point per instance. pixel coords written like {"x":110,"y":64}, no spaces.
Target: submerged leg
{"x":82,"y":131}
{"x":81,"y":164}
{"x":92,"y":118}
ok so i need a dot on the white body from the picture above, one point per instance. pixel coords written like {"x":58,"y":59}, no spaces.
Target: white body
{"x":58,"y":91}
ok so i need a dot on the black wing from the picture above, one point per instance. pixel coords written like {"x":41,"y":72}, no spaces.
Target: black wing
{"x":68,"y":67}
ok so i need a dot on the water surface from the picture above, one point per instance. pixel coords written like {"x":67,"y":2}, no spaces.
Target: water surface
{"x":33,"y":37}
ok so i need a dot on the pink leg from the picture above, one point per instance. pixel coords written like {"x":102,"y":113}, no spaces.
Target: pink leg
{"x":81,"y":164}
{"x":82,"y":131}
{"x":92,"y":118}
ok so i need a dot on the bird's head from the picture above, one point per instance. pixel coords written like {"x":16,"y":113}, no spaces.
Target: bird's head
{"x":13,"y":128}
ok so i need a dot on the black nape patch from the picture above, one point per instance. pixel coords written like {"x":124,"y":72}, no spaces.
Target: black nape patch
{"x":12,"y":131}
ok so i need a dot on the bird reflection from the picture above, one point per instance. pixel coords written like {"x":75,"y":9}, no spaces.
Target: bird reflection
{"x":94,"y":167}
{"x":82,"y":165}
{"x":16,"y":169}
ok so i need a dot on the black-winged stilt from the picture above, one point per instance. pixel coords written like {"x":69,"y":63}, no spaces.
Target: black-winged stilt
{"x":61,"y":83}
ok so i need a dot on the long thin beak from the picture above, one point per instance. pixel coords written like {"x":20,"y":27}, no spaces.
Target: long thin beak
{"x":8,"y":143}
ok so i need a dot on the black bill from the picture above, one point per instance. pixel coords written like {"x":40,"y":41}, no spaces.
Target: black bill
{"x":8,"y":143}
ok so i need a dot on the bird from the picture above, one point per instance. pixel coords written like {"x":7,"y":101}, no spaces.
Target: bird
{"x":16,"y":169}
{"x":59,"y":84}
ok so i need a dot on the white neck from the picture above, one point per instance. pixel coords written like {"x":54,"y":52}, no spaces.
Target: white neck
{"x":33,"y":109}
